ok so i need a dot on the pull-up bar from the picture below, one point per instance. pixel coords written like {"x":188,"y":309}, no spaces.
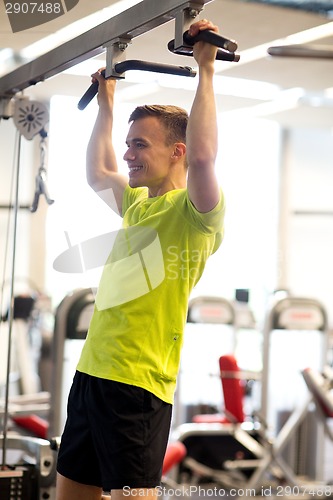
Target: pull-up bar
{"x":225,"y":54}
{"x":112,"y":36}
{"x":134,"y":64}
{"x":298,"y":50}
{"x":133,"y":22}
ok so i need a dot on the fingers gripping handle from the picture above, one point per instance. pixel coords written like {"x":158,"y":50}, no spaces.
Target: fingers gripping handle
{"x":212,"y":38}
{"x":225,"y":51}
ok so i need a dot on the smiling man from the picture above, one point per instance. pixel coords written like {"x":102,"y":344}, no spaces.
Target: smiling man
{"x":120,"y":404}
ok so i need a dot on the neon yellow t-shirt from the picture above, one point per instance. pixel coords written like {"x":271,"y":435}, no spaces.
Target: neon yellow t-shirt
{"x":136,"y":332}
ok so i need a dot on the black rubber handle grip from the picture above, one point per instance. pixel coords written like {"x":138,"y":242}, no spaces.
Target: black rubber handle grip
{"x":89,"y":94}
{"x":317,"y":51}
{"x":170,"y":69}
{"x":212,"y":38}
{"x":221,"y":55}
{"x":135,"y":64}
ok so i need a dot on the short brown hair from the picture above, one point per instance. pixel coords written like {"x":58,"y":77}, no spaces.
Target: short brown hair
{"x":174,"y":119}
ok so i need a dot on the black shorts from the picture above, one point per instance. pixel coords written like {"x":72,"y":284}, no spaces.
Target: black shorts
{"x":115,"y":435}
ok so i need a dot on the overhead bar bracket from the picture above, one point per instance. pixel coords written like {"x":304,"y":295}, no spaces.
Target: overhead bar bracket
{"x":115,"y":54}
{"x":184,"y":18}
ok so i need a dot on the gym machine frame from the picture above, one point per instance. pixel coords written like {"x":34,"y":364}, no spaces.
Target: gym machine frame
{"x":112,"y":36}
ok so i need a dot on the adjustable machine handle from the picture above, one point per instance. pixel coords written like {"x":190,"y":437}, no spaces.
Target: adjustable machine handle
{"x":140,"y":66}
{"x":221,"y":55}
{"x":226,"y":52}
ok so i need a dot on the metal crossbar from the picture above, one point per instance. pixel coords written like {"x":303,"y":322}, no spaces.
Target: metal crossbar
{"x":127,"y":25}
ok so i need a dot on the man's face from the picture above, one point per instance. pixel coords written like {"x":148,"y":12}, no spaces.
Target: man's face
{"x":147,"y":156}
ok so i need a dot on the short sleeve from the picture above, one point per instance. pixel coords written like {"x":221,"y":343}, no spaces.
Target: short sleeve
{"x":132,"y":195}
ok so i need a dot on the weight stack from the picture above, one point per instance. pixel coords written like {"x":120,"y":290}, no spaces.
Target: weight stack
{"x":19,"y":483}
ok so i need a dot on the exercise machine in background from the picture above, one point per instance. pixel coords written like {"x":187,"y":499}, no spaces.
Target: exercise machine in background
{"x":295,"y":337}
{"x":29,"y":462}
{"x":216,"y":326}
{"x":254,"y":453}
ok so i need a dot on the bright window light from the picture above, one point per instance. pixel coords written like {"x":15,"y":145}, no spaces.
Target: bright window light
{"x":224,"y":85}
{"x":285,"y":100}
{"x":78,"y":214}
{"x":148,"y":82}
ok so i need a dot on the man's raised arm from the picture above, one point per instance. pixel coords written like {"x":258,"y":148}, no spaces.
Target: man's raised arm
{"x":201,"y":141}
{"x":102,"y":168}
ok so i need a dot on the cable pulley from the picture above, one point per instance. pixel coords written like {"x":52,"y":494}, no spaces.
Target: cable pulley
{"x":30,"y":117}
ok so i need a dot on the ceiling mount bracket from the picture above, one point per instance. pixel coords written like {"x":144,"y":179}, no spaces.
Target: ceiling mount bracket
{"x":115,"y":53}
{"x":183,"y":19}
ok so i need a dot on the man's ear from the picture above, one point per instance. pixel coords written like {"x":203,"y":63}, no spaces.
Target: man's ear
{"x":179,"y":150}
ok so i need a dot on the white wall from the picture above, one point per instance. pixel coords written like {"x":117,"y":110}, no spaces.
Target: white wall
{"x":248,"y":170}
{"x":307,"y":245}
